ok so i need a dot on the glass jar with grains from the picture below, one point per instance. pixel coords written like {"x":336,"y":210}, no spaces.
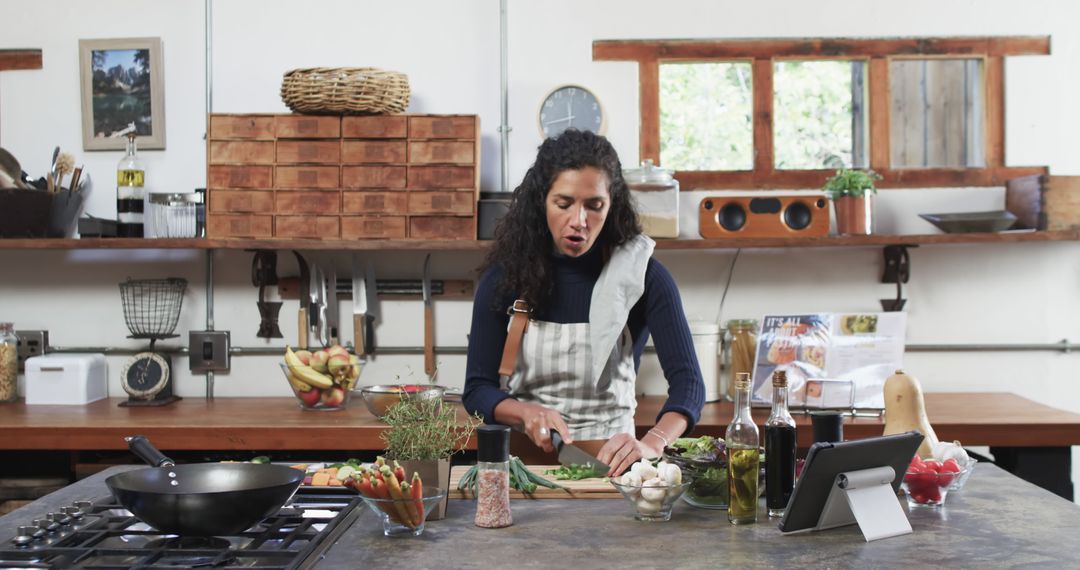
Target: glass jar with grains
{"x":9,"y":363}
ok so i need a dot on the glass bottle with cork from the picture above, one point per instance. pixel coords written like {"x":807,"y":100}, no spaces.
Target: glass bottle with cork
{"x":742,"y":453}
{"x":740,"y":347}
{"x":9,"y":363}
{"x":130,"y":191}
{"x":493,"y":476}
{"x":779,"y":449}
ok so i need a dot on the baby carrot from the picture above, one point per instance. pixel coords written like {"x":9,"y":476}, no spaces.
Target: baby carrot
{"x":395,"y":493}
{"x":416,"y":489}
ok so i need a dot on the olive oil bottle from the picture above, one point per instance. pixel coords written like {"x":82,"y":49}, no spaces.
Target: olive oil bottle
{"x":742,"y":452}
{"x":130,"y":191}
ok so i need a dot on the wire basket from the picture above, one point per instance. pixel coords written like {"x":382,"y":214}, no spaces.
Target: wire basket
{"x":152,"y":306}
{"x":345,"y":90}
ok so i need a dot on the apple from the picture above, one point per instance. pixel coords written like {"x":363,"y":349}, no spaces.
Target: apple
{"x":304,"y":356}
{"x":338,"y":349}
{"x":338,"y":365}
{"x":319,"y":360}
{"x":333,"y":397}
{"x":311,"y":397}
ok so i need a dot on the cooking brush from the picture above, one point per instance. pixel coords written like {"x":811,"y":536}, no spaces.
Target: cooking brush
{"x":64,"y":165}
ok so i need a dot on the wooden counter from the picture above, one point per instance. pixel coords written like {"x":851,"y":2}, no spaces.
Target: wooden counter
{"x":994,"y":419}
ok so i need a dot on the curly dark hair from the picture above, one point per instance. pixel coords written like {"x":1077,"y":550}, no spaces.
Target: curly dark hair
{"x":523,"y":242}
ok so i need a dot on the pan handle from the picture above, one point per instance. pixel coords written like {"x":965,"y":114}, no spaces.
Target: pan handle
{"x":146,"y":451}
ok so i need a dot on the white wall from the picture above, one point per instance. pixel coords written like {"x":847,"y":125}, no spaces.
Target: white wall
{"x":1023,"y":293}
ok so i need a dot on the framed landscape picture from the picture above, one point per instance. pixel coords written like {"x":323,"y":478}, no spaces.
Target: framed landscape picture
{"x":122,"y":92}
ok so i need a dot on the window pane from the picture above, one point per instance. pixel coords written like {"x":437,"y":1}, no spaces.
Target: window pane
{"x":706,"y":116}
{"x":819,"y":114}
{"x":937,"y":113}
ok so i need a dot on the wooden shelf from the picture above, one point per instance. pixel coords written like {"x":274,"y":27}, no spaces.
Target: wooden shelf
{"x":478,"y":245}
{"x":11,"y":59}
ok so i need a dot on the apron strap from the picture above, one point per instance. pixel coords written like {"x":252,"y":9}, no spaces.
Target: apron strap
{"x":519,"y":321}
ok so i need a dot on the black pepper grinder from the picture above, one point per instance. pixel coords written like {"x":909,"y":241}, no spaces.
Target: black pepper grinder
{"x":493,"y":476}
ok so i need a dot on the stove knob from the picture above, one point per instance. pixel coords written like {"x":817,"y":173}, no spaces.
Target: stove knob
{"x":25,"y":536}
{"x":84,"y":506}
{"x":75,"y":513}
{"x":47,"y":525}
{"x":59,"y":518}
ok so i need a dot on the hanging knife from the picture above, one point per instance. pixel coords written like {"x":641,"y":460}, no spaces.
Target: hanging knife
{"x":361,"y":320}
{"x":318,"y":297}
{"x":429,"y":322}
{"x":305,"y":302}
{"x":372,"y":306}
{"x":332,"y":313}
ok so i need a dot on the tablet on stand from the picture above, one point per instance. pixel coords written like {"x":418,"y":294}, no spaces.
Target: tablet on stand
{"x":853,"y":482}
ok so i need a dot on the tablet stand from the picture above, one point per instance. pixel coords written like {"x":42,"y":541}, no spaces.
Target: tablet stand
{"x":865,"y":497}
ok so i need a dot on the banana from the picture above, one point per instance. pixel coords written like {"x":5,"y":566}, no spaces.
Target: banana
{"x":308,"y":375}
{"x":304,"y":373}
{"x":296,"y":383}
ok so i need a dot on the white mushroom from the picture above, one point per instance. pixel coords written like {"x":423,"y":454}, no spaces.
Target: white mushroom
{"x":647,"y":507}
{"x":644,"y":469}
{"x":670,"y":473}
{"x":653,"y":490}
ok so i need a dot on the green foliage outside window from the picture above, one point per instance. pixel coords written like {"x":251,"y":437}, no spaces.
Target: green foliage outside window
{"x":706,"y":116}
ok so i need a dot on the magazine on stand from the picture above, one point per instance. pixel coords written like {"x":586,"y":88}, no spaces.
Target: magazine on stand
{"x":832,"y":360}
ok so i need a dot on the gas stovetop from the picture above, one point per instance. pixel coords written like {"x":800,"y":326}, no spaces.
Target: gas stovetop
{"x":102,"y":534}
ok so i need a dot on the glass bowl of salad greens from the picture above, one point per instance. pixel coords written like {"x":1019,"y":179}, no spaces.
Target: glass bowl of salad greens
{"x":704,"y":463}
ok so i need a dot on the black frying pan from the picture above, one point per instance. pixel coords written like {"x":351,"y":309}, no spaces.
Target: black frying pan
{"x":205,"y":499}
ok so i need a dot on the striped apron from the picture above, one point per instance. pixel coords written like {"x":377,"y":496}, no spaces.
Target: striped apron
{"x":585,"y":371}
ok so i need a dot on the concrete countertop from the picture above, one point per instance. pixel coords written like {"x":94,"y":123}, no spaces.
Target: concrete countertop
{"x":997,"y":521}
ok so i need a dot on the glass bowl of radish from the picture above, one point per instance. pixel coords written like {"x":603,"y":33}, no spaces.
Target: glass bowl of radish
{"x":927,"y":483}
{"x":651,"y":488}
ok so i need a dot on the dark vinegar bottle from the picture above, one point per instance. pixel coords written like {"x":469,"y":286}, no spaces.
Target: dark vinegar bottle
{"x":779,"y":449}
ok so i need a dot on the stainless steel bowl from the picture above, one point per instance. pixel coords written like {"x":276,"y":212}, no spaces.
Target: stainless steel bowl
{"x":381,"y":398}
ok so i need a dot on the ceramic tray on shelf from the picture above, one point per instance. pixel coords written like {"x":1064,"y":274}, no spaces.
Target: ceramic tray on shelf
{"x":971,"y":222}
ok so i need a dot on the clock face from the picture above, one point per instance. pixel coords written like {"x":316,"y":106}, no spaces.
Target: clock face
{"x":571,"y":106}
{"x":145,"y":375}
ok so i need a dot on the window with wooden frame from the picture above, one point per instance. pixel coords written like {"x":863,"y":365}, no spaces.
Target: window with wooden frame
{"x":922,"y":112}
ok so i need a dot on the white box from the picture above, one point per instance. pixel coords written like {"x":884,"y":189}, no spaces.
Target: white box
{"x":69,"y":379}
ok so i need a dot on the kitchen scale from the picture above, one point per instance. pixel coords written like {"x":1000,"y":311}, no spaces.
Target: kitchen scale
{"x":151,"y":310}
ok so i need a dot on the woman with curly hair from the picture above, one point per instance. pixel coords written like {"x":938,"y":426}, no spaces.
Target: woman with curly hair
{"x":573,"y":278}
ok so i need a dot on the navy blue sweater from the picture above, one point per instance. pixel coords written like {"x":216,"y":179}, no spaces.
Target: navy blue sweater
{"x":659,"y":310}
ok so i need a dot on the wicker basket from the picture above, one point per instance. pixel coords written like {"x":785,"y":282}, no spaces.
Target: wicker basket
{"x":345,"y":90}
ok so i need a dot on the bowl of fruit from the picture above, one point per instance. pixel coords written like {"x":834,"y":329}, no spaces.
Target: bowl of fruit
{"x":322,"y":379}
{"x":927,"y":483}
{"x":379,"y":399}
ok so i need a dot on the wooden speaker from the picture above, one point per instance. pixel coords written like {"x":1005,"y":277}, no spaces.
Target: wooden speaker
{"x":763,"y":216}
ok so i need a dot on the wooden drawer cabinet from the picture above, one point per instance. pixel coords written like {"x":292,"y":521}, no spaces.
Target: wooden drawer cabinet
{"x":444,"y":127}
{"x":293,"y":176}
{"x":372,"y":227}
{"x":454,"y":203}
{"x":241,"y":152}
{"x":246,"y":127}
{"x":310,"y":227}
{"x":366,"y":151}
{"x":257,"y":201}
{"x":374,"y":203}
{"x":307,"y":177}
{"x":375,"y":127}
{"x":239,"y":226}
{"x":372,"y":177}
{"x":307,"y":127}
{"x":442,"y":152}
{"x":240,"y":177}
{"x":308,"y":152}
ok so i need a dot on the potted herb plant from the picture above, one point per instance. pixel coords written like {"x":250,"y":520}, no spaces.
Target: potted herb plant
{"x":850,"y":191}
{"x":422,"y":436}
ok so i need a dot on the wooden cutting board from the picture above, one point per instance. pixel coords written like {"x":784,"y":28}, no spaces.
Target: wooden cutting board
{"x":595,"y":488}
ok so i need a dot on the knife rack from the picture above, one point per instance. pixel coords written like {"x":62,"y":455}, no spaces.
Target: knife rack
{"x":389,"y":289}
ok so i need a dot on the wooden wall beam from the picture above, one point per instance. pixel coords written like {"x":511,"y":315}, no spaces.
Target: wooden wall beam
{"x":818,"y":48}
{"x":879,"y":116}
{"x":649,"y":94}
{"x":810,"y":179}
{"x":764,"y":151}
{"x":994,"y":80}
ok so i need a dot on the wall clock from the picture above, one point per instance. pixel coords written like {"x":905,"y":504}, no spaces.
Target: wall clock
{"x":570,"y":106}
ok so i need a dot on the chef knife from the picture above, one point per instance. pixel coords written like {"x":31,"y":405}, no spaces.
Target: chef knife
{"x":361,"y":319}
{"x":305,"y":301}
{"x":332,"y":312}
{"x":318,"y":299}
{"x":372,"y":305}
{"x":429,"y":322}
{"x":573,"y":455}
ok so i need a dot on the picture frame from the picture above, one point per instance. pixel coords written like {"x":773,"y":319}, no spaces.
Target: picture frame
{"x":122,"y":89}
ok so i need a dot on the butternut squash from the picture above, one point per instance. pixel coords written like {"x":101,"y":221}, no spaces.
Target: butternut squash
{"x":906,"y":411}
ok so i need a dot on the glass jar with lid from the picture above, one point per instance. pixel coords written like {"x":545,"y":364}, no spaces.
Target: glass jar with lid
{"x":740,"y":347}
{"x":9,"y":363}
{"x":656,"y":196}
